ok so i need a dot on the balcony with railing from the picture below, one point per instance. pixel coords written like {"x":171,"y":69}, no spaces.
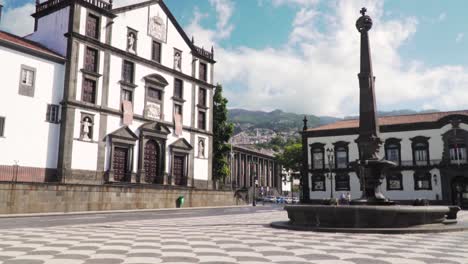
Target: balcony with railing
{"x":53,"y":3}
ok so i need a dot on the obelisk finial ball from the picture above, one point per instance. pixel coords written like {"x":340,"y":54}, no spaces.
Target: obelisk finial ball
{"x":364,"y":22}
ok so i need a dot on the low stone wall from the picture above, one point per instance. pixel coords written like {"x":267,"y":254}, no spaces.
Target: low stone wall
{"x":23,"y":198}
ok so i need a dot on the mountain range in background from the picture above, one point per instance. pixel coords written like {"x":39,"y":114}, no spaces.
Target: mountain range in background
{"x":280,"y":121}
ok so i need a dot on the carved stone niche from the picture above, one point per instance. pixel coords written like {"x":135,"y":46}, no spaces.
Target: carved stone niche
{"x":152,"y":153}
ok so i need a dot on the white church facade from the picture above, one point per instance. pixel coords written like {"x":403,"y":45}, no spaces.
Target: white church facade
{"x":430,"y":151}
{"x":98,"y":94}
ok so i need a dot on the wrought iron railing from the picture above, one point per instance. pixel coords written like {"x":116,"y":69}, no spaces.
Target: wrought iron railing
{"x":51,"y":3}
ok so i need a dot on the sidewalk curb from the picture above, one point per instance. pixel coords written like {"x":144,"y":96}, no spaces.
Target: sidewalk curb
{"x":6,"y":216}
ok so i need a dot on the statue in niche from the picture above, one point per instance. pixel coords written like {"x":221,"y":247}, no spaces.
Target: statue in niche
{"x":178,"y":61}
{"x":201,"y":148}
{"x":131,"y":43}
{"x":87,"y":125}
{"x":156,"y":28}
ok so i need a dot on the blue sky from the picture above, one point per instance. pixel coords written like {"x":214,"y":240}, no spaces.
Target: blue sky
{"x":302,"y":55}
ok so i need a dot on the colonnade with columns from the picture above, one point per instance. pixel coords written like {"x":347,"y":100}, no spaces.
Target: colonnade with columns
{"x":246,"y":164}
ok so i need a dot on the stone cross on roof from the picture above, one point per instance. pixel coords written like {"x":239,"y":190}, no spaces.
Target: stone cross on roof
{"x":363,"y":11}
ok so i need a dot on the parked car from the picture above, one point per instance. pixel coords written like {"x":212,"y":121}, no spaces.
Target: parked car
{"x":296,"y":200}
{"x":288,"y":200}
{"x":279,"y":199}
{"x":270,"y":199}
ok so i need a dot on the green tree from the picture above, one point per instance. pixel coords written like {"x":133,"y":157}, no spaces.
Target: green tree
{"x":291,"y":157}
{"x":222,"y":132}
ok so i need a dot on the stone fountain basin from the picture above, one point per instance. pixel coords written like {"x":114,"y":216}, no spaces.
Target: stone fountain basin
{"x":358,"y":216}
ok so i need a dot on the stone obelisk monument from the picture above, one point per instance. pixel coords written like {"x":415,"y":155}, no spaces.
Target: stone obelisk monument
{"x":369,"y":168}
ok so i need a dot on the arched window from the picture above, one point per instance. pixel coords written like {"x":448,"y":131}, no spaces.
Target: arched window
{"x":393,"y":150}
{"x":420,"y":147}
{"x":318,"y":157}
{"x":457,"y":153}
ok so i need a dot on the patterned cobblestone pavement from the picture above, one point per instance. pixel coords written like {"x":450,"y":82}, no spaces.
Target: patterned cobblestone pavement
{"x":222,"y":239}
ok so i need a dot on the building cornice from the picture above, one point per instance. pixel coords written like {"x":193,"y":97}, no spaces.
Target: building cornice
{"x":133,"y":57}
{"x":114,"y":112}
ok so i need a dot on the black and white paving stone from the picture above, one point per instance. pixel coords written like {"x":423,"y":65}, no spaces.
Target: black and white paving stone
{"x":237,"y":238}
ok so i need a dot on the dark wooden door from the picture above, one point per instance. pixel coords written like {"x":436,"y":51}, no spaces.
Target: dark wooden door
{"x":179,"y":174}
{"x":120,"y":163}
{"x":151,"y":161}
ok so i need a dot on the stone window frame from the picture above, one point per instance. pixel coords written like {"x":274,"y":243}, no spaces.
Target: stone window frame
{"x":322,"y":178}
{"x":347,"y":179}
{"x":135,"y":32}
{"x":176,"y":50}
{"x":393,"y":142}
{"x":414,"y":147}
{"x":182,"y":149}
{"x":153,"y":57}
{"x":96,"y":88}
{"x":122,"y":79}
{"x":317,"y":146}
{"x":181,"y":97}
{"x":398,"y":175}
{"x":2,"y":126}
{"x":205,"y":103}
{"x":53,"y":113}
{"x":98,"y":17}
{"x":24,"y":89}
{"x":97,"y":61}
{"x":93,"y":124}
{"x":205,"y":127}
{"x":201,"y":139}
{"x":152,"y":83}
{"x":205,"y":76}
{"x":343,"y":145}
{"x":427,"y":176}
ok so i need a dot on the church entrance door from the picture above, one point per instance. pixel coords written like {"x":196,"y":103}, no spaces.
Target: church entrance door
{"x":151,"y":162}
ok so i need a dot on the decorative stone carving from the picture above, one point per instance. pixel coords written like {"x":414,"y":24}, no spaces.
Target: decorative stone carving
{"x":153,"y":110}
{"x":157,"y":28}
{"x":178,"y":60}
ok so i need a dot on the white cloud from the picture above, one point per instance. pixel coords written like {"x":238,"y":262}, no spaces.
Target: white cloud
{"x":18,"y":20}
{"x":459,"y":37}
{"x":442,"y":16}
{"x":316,"y":71}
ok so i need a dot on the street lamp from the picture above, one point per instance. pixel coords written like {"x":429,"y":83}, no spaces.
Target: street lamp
{"x":253,"y":172}
{"x":331,"y":158}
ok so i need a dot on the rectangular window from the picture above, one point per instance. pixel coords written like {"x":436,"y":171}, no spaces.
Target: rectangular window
{"x":2,"y":126}
{"x":420,"y":156}
{"x":91,"y":59}
{"x":318,"y":183}
{"x":52,"y":114}
{"x":89,"y":91}
{"x":154,"y":94}
{"x":318,"y":160}
{"x":178,"y":88}
{"x":127,"y":95}
{"x":422,"y":181}
{"x":178,"y":109}
{"x":203,"y":71}
{"x":92,"y":26}
{"x":457,"y":154}
{"x":394,"y":182}
{"x":27,"y":81}
{"x":156,"y":52}
{"x":202,"y":96}
{"x":342,"y":182}
{"x":128,"y":71}
{"x":202,"y":120}
{"x":393,"y":155}
{"x":27,"y":77}
{"x":341,"y":159}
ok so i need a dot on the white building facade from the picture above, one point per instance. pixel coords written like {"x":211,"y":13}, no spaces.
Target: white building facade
{"x":135,"y":96}
{"x":428,"y":149}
